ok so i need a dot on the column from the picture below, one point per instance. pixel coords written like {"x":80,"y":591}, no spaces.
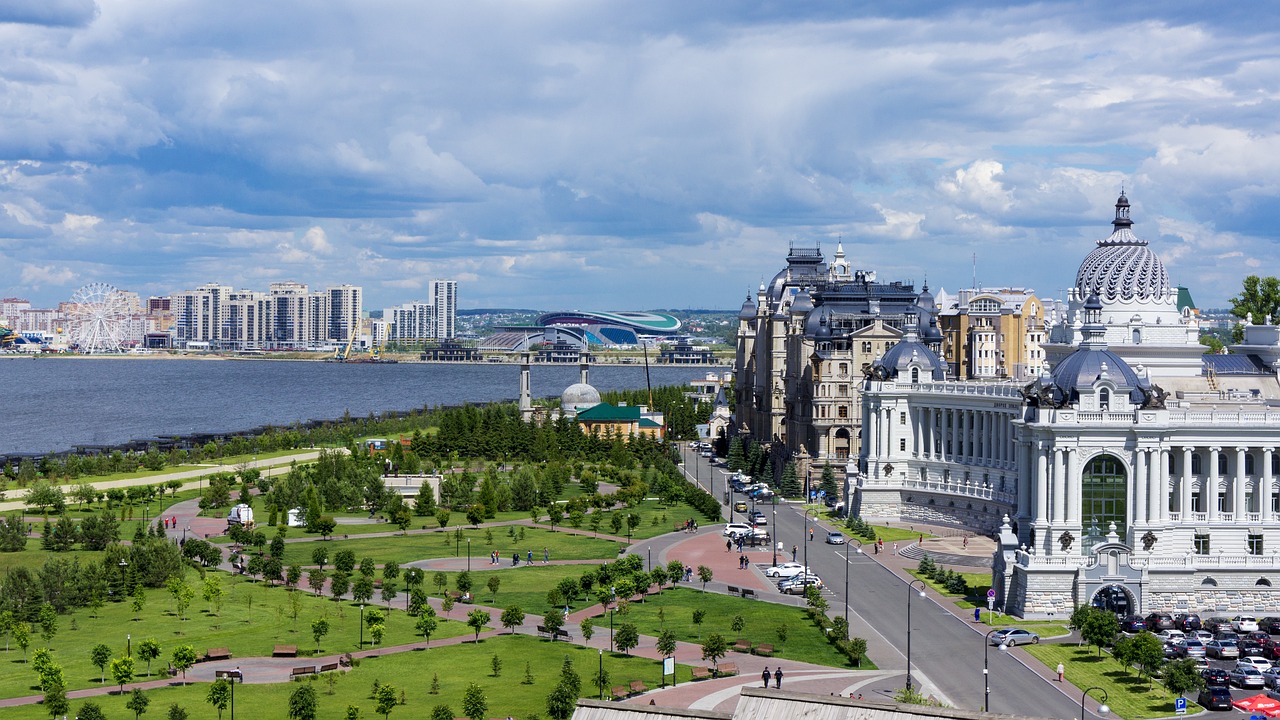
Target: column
{"x":1059,"y":487}
{"x":1024,"y":481}
{"x":1184,"y":505}
{"x":1139,"y":512}
{"x":962,"y":435}
{"x":1237,"y":488}
{"x":1042,"y":485}
{"x":1210,"y":491}
{"x":992,"y":429}
{"x":1264,"y":488}
{"x":1165,"y":496}
{"x":1155,"y":490}
{"x":1074,"y":487}
{"x":980,"y":437}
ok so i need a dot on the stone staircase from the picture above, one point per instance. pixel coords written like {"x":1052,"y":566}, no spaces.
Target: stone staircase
{"x":915,"y":552}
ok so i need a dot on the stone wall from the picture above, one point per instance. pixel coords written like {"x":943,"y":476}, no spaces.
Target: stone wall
{"x":1213,"y":592}
{"x":1042,"y":594}
{"x":981,"y":516}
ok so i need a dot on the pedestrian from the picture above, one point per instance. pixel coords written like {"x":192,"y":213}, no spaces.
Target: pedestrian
{"x":546,"y":556}
{"x":810,"y":533}
{"x":965,"y":542}
{"x":793,"y":553}
{"x":1061,"y":669}
{"x":895,"y":548}
{"x":728,"y":545}
{"x":529,"y":557}
{"x":515,"y":559}
{"x":777,"y":677}
{"x":688,"y":573}
{"x":765,"y":676}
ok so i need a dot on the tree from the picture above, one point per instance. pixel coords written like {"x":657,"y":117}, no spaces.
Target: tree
{"x":1099,"y":629}
{"x":829,"y":485}
{"x":1148,"y":652}
{"x":100,"y":655}
{"x":339,"y":584}
{"x":699,"y":615}
{"x":302,"y":703}
{"x":1259,"y":298}
{"x":93,"y":711}
{"x":149,"y":650}
{"x":493,"y":584}
{"x":353,"y":713}
{"x":219,"y":695}
{"x":21,"y":634}
{"x":705,"y":575}
{"x":627,"y":637}
{"x":47,"y":617}
{"x":138,"y":601}
{"x":427,"y":624}
{"x":184,"y":656}
{"x":714,"y":648}
{"x":440,"y":580}
{"x":790,"y":481}
{"x":320,"y":555}
{"x":362,"y":589}
{"x":738,"y":623}
{"x":1124,"y":652}
{"x":666,"y":643}
{"x":564,"y":697}
{"x":553,"y":621}
{"x":735,"y":460}
{"x":474,"y":703}
{"x":213,"y":593}
{"x":344,"y":561}
{"x":588,"y":629}
{"x":1181,"y":677}
{"x":176,"y":712}
{"x":315,"y":580}
{"x":441,"y":712}
{"x":122,"y":672}
{"x":319,"y":628}
{"x":138,"y":702}
{"x":495,"y":663}
{"x":385,"y":699}
{"x":512,"y":618}
{"x":477,"y":620}
{"x":55,"y":700}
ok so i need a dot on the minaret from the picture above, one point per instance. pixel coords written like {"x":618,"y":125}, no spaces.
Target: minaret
{"x":526,"y":389}
{"x":584,"y":366}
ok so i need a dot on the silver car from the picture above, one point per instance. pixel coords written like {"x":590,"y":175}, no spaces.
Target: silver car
{"x":1222,"y":649}
{"x":1191,"y":647}
{"x":1246,"y":676}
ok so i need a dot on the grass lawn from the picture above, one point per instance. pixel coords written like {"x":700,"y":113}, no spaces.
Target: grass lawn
{"x":804,"y":641}
{"x":407,"y":548}
{"x":1127,"y":694}
{"x":655,"y":519}
{"x":524,"y":586}
{"x":413,"y":672}
{"x":898,"y":534}
{"x":253,"y":618}
{"x":33,"y":558}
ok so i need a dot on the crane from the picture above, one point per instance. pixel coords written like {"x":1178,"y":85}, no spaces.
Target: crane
{"x":343,"y":352}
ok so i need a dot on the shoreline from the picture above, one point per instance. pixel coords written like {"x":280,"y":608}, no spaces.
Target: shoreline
{"x":618,"y":361}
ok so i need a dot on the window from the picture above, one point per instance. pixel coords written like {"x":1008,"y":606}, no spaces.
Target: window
{"x":1202,"y":543}
{"x":1255,"y":544}
{"x":1104,"y":399}
{"x":866,"y":347}
{"x":1222,"y":463}
{"x":1222,"y":502}
{"x":1195,"y":464}
{"x":902,"y":444}
{"x":1103,"y":498}
{"x":842,"y":411}
{"x":844,"y":368}
{"x":915,"y":375}
{"x":902,"y":418}
{"x":1248,"y":464}
{"x":1196,"y":504}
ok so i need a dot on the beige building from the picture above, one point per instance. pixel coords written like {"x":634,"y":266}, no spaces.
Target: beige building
{"x":991,"y":333}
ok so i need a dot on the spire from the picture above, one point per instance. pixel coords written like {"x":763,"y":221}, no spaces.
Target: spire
{"x":1122,"y":213}
{"x":1094,"y":331}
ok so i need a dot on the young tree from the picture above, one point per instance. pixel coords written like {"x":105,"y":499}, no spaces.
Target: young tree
{"x":339,"y":584}
{"x":738,"y":623}
{"x":705,"y":575}
{"x":21,"y":634}
{"x":315,"y":581}
{"x":474,"y":703}
{"x":440,"y":580}
{"x":495,"y":663}
{"x":427,"y":624}
{"x":47,"y":618}
{"x":219,"y":695}
{"x":1181,"y":677}
{"x":362,"y":589}
{"x":1148,"y":652}
{"x":100,"y":655}
{"x":512,"y":618}
{"x":184,"y":656}
{"x":385,"y":700}
{"x":714,"y":648}
{"x":320,"y":555}
{"x":93,"y":711}
{"x":477,"y":620}
{"x":148,"y":650}
{"x":344,"y":561}
{"x":667,"y":643}
{"x":699,"y":615}
{"x":626,"y":637}
{"x":319,"y":628}
{"x":588,"y":629}
{"x":494,"y":583}
{"x":302,"y":703}
{"x":122,"y":672}
{"x":553,"y":621}
{"x":55,"y":700}
{"x":1100,"y":628}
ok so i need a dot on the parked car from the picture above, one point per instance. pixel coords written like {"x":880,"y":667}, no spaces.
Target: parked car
{"x":1215,"y":697}
{"x":1244,"y":623}
{"x":1260,"y":635}
{"x":1226,"y":635}
{"x":1222,"y":649}
{"x":1252,"y":647}
{"x":735,"y":529}
{"x":1187,"y":621}
{"x":740,"y":506}
{"x":1192,"y":648}
{"x":1171,"y":636}
{"x":1257,"y":662}
{"x":785,"y":570}
{"x":1246,"y":676}
{"x":1270,"y":625}
{"x":797,"y":585}
{"x":1132,"y":624}
{"x":1204,"y":635}
{"x":1157,"y":621}
{"x":1214,"y":624}
{"x":1215,"y":676}
{"x":758,"y":518}
{"x":1014,"y":636}
{"x":835,"y":538}
{"x":1271,"y":677}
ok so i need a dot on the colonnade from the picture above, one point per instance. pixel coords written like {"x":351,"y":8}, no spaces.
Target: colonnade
{"x":969,"y":437}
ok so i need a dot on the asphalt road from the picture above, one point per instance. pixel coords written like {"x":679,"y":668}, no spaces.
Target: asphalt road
{"x":946,"y":653}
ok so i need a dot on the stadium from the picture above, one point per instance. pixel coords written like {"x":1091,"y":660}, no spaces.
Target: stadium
{"x":608,"y":329}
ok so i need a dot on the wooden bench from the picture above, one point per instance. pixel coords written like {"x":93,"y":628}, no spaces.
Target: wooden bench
{"x":217,"y":654}
{"x":764,"y":649}
{"x":329,"y":668}
{"x":727,"y":669}
{"x":300,"y":671}
{"x":284,"y":651}
{"x":618,"y":692}
{"x":701,"y":673}
{"x":742,"y":646}
{"x":733,"y":590}
{"x":638,"y":687}
{"x":749,"y":593}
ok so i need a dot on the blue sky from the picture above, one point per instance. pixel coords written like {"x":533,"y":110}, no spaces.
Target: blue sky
{"x":605,"y":155}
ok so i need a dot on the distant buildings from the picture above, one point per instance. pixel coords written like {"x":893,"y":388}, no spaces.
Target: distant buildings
{"x":990,"y":333}
{"x":418,"y":321}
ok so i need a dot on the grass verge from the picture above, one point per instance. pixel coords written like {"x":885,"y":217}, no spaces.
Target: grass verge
{"x":1129,"y":696}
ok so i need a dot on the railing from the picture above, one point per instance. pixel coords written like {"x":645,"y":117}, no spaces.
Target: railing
{"x":1026,"y":559}
{"x":1223,"y":417}
{"x":1000,"y":389}
{"x":1234,"y":560}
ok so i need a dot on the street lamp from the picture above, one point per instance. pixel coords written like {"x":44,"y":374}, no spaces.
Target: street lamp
{"x":128,"y":645}
{"x":911,"y":591}
{"x":649,"y":562}
{"x":362,"y":626}
{"x":806,"y":541}
{"x":468,"y":554}
{"x":597,"y":676}
{"x":613,"y":602}
{"x":986,"y":673}
{"x":1102,"y":709}
{"x":848,"y":558}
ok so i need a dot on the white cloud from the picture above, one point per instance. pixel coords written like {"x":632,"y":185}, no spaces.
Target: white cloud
{"x":79,"y":223}
{"x":40,"y":276}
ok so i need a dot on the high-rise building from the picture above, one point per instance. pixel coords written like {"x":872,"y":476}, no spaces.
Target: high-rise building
{"x":444,"y":296}
{"x":199,"y":315}
{"x":346,"y":305}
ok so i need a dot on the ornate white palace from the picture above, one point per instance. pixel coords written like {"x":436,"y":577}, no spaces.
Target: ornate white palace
{"x":1137,"y":474}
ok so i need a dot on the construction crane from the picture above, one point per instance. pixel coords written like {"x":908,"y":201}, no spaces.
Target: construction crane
{"x":344,"y":351}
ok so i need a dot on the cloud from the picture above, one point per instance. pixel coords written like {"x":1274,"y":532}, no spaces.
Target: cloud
{"x":39,"y":276}
{"x":49,"y":12}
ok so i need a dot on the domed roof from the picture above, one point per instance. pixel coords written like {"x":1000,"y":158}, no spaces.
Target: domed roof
{"x":748,"y":310}
{"x":907,"y":353}
{"x":1087,"y":364}
{"x":578,"y":397}
{"x":802,"y":304}
{"x":1122,"y":266}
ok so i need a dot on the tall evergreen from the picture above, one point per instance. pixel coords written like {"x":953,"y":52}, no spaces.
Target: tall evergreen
{"x":736,"y":459}
{"x":790,"y":482}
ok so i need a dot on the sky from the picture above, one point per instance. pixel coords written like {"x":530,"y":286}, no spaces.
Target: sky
{"x":570,"y":154}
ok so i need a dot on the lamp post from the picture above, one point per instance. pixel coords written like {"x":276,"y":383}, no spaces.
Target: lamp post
{"x":775,"y":530}
{"x":468,"y":554}
{"x":597,"y":676}
{"x":1102,"y":709}
{"x":362,"y":627}
{"x":986,"y":673}
{"x":648,"y":567}
{"x":911,"y":591}
{"x":848,"y":560}
{"x":806,"y":544}
{"x":613,"y":602}
{"x":128,"y":645}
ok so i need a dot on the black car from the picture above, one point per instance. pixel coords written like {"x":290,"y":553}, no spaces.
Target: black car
{"x":1187,"y":622}
{"x":1216,"y":677}
{"x":1133,"y":624}
{"x":1215,"y":697}
{"x":1269,"y":625}
{"x":1158,"y":621}
{"x":1214,"y":624}
{"x":1252,"y":646}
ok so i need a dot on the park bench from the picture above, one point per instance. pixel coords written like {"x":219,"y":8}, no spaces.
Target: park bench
{"x":217,"y":654}
{"x":562,"y":634}
{"x":618,"y":691}
{"x":733,"y":590}
{"x":742,"y":646}
{"x":300,"y":671}
{"x":749,"y":593}
{"x":284,"y":651}
{"x":329,"y":668}
{"x":701,"y":673}
{"x":542,"y":630}
{"x":637,"y":687}
{"x":764,"y":649}
{"x":727,"y":669}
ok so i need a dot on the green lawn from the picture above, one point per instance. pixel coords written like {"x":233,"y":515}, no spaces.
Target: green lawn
{"x":253,"y":618}
{"x":524,"y":586}
{"x":655,"y":519}
{"x":804,"y":641}
{"x":413,"y":672}
{"x":407,"y":548}
{"x":1127,"y":694}
{"x":33,"y":558}
{"x":898,"y":534}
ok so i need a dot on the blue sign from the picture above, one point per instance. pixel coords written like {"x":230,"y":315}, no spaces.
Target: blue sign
{"x":1180,"y":706}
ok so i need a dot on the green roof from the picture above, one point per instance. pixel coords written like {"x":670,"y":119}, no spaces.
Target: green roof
{"x":604,"y":412}
{"x":1184,"y":299}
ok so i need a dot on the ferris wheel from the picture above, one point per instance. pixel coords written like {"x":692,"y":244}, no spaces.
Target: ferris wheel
{"x":98,"y":314}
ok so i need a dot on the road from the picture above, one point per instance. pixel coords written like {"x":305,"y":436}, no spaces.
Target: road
{"x":947,"y":652}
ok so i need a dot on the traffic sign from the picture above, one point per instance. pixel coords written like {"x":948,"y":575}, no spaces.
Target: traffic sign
{"x":991,"y":593}
{"x":1180,"y":706}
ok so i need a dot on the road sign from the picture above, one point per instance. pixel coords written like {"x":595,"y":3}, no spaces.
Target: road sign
{"x":991,"y":603}
{"x":1180,"y":706}
{"x":991,"y":594}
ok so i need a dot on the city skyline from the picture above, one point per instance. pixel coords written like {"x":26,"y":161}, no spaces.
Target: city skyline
{"x":589,"y":156}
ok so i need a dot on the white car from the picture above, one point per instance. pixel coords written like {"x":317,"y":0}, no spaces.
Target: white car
{"x":1244,"y":623}
{"x":785,"y":570}
{"x":1171,"y":636}
{"x":735,"y":529}
{"x":1262,"y":664}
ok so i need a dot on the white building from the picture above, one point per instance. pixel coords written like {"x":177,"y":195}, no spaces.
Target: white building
{"x":417,"y":321}
{"x":1137,"y":474}
{"x":444,"y":296}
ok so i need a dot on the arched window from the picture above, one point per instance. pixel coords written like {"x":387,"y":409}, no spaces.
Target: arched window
{"x":1275,"y":464}
{"x":1137,"y":336}
{"x":1104,"y":399}
{"x":1222,"y":464}
{"x":1210,"y":582}
{"x":1195,"y":464}
{"x":915,"y":375}
{"x":1102,"y":500}
{"x":1263,"y":582}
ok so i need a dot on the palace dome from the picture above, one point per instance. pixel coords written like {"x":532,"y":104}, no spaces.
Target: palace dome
{"x":908,"y":353}
{"x":1122,"y":267}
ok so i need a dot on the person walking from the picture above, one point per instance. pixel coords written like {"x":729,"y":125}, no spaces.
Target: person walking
{"x":777,"y":677}
{"x":546,"y":556}
{"x":728,"y":545}
{"x":765,"y":676}
{"x":1061,"y":671}
{"x":793,"y":553}
{"x":529,"y":558}
{"x":811,"y":534}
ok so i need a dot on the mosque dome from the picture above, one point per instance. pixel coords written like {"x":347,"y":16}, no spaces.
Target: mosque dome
{"x":1122,"y":267}
{"x":578,"y":397}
